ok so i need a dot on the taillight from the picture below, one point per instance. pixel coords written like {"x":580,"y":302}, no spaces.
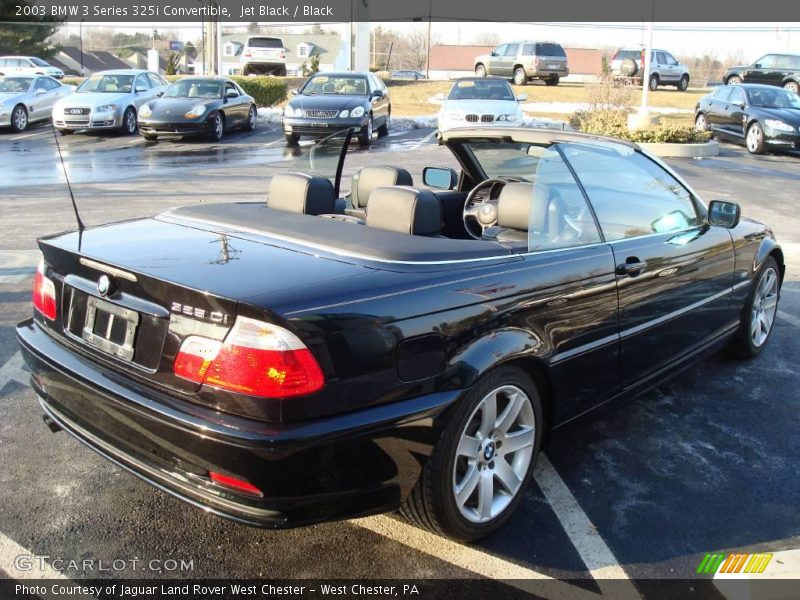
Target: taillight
{"x":256,"y":358}
{"x":247,"y":53}
{"x":283,"y":53}
{"x":44,"y":293}
{"x":234,"y":483}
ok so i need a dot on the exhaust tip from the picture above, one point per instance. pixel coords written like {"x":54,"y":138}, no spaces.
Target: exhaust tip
{"x":51,"y":424}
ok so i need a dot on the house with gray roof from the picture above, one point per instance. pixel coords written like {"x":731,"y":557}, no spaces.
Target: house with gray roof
{"x":300,"y":49}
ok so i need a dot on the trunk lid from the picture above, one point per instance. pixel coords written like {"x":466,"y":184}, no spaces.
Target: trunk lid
{"x":167,"y":281}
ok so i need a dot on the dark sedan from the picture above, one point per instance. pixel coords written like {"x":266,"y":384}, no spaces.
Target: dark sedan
{"x":330,"y":102}
{"x":198,"y":106}
{"x":284,"y":362}
{"x":759,"y":116}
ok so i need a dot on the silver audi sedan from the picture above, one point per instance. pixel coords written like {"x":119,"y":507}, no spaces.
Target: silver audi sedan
{"x":25,"y":99}
{"x":108,"y":100}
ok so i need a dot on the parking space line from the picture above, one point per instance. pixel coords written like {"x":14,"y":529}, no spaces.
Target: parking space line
{"x":596,"y":555}
{"x":424,"y":140}
{"x":28,"y":135}
{"x":789,"y":318}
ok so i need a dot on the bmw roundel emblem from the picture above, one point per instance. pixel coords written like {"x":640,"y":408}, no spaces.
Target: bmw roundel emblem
{"x":104,"y":285}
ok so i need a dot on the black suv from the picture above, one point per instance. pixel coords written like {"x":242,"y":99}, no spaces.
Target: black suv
{"x":771,"y":69}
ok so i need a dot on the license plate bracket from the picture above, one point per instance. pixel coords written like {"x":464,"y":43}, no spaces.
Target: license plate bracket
{"x":110,"y":328}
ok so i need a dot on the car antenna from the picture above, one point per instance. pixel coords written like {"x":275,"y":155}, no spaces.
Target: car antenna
{"x":81,"y":226}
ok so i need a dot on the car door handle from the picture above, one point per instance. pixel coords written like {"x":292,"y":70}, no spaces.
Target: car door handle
{"x":632,"y":267}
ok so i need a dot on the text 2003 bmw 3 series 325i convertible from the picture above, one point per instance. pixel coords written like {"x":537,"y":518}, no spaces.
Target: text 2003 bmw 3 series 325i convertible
{"x":401,"y":348}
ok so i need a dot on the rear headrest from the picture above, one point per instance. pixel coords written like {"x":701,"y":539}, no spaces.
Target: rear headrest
{"x":523,"y":206}
{"x":301,"y":193}
{"x":405,"y":210}
{"x":370,"y":178}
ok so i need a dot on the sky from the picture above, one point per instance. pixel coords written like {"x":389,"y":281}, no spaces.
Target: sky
{"x":745,"y":40}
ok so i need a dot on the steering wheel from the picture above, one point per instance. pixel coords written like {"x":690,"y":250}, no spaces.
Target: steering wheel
{"x":480,"y":207}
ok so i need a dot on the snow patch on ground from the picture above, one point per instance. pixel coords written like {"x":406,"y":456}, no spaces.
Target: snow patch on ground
{"x":419,"y":122}
{"x":270,"y":114}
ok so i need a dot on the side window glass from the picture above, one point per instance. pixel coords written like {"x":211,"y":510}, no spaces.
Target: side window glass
{"x":559,"y":215}
{"x":501,"y":50}
{"x":142,"y":83}
{"x":723,"y":93}
{"x":641,"y":199}
{"x":512,"y":49}
{"x":660,"y":58}
{"x":737,"y":95}
{"x":229,"y":87}
{"x":528,"y":50}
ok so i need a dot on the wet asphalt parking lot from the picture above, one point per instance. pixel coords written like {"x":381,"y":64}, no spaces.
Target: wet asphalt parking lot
{"x":622,"y":499}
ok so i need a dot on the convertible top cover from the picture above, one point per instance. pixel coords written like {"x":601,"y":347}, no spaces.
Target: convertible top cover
{"x":335,"y":236}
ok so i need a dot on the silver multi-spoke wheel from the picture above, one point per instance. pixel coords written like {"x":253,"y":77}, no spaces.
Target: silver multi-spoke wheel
{"x":494,"y":454}
{"x":765,"y":305}
{"x":253,"y":118}
{"x":754,"y":136}
{"x":19,"y":119}
{"x":130,"y":121}
{"x":700,"y":123}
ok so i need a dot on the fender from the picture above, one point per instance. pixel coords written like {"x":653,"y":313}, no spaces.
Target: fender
{"x":484,"y":353}
{"x":767,"y":247}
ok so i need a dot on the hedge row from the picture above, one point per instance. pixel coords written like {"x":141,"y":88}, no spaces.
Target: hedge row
{"x":266,"y":91}
{"x":614,"y":123}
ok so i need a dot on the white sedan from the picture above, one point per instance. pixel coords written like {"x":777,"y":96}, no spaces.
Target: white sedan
{"x":27,"y":99}
{"x":475,"y":102}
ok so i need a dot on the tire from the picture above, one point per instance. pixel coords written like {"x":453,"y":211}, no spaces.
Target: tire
{"x":434,"y":502}
{"x":552,"y":81}
{"x":653,"y":82}
{"x":520,"y":77}
{"x":383,"y":130}
{"x":683,"y":84}
{"x":150,"y":137}
{"x":754,"y":139}
{"x":480,"y":71}
{"x":65,"y":131}
{"x":759,"y":312}
{"x":281,"y":72}
{"x":734,"y":80}
{"x":700,"y":122}
{"x":129,"y":124}
{"x":252,"y":119}
{"x":365,"y":138}
{"x":291,"y":138}
{"x":217,"y":127}
{"x":19,"y":118}
{"x":792,"y":86}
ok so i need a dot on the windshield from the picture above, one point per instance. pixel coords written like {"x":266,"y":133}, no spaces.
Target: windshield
{"x":195,"y":88}
{"x":773,"y":98}
{"x":336,"y":84}
{"x":39,"y":62}
{"x":15,"y":85}
{"x":110,"y":84}
{"x":486,"y":89}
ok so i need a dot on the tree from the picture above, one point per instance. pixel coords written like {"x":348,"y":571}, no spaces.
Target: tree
{"x":254,"y":27}
{"x":487,"y":38}
{"x":27,"y":35}
{"x":173,"y":63}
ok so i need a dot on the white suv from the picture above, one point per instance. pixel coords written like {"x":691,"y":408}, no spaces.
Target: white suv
{"x":664,"y":68}
{"x":28,"y":65}
{"x":263,"y":56}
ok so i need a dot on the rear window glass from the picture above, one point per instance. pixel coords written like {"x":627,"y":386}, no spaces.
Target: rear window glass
{"x":549,"y":50}
{"x":265,"y":43}
{"x":628,"y":55}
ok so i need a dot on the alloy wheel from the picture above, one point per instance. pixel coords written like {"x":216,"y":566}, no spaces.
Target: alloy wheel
{"x":700,"y":123}
{"x":494,"y":453}
{"x":253,"y":118}
{"x":792,"y":86}
{"x":218,"y":127}
{"x":130,"y":122}
{"x":754,"y":136}
{"x":765,"y":305}
{"x":20,"y":118}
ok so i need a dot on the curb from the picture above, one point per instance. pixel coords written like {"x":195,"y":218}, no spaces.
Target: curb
{"x":663,"y":150}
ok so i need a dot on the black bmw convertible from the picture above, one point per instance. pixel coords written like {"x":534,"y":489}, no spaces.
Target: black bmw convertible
{"x":312,"y":357}
{"x":198,"y":106}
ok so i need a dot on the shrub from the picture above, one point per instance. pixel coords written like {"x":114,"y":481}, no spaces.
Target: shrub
{"x":267,"y":91}
{"x":670,"y":134}
{"x":614,"y":123}
{"x":385,"y":76}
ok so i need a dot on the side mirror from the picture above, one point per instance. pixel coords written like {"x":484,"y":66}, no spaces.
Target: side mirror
{"x":757,"y":66}
{"x":140,"y":90}
{"x":231,"y":94}
{"x":443,"y":178}
{"x":377,"y":94}
{"x":161,"y":93}
{"x":294,"y":92}
{"x":39,"y":92}
{"x":724,"y":214}
{"x":522,"y":97}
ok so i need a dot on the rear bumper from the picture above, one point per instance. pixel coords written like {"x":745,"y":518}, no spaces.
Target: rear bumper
{"x":545,"y":73}
{"x":340,"y":467}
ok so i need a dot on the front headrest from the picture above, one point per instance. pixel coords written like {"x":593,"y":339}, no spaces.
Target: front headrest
{"x":370,"y":178}
{"x":405,"y":210}
{"x":301,"y":193}
{"x":523,"y":206}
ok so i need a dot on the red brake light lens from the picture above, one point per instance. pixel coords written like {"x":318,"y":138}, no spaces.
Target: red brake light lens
{"x":44,"y":294}
{"x":233,"y":483}
{"x":257,"y":358}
